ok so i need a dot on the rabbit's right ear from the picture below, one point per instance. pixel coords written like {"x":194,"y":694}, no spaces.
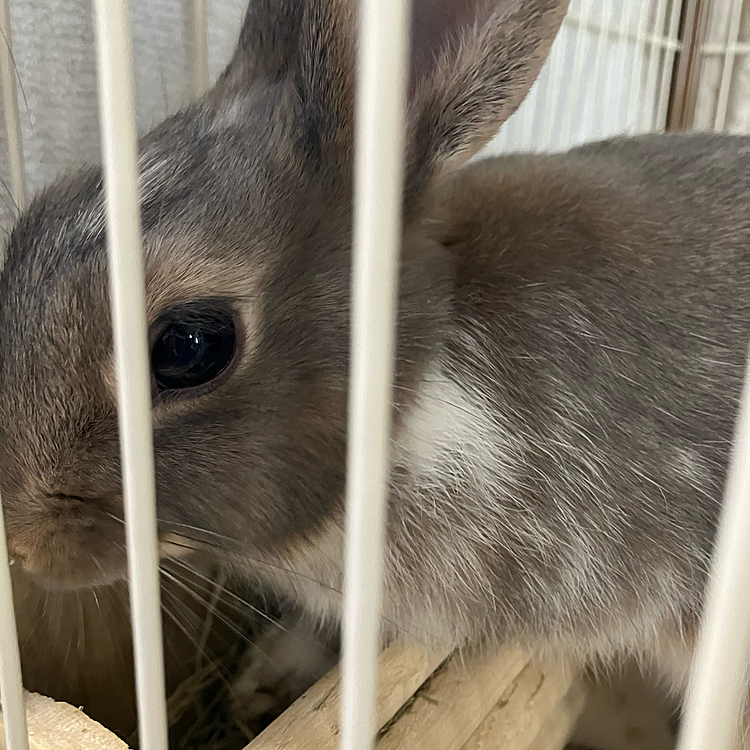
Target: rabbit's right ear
{"x":472,"y":64}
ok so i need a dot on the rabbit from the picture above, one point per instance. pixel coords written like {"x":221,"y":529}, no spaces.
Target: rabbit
{"x":571,"y":338}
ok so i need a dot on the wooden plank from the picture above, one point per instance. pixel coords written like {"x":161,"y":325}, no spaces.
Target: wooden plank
{"x":59,"y":726}
{"x":425,"y":702}
{"x":455,"y":701}
{"x":312,"y":722}
{"x":516,"y":720}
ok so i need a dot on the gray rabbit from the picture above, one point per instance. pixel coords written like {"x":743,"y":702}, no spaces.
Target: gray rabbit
{"x":571,"y":340}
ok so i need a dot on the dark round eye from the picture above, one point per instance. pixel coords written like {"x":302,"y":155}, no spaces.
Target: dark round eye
{"x":194,"y":351}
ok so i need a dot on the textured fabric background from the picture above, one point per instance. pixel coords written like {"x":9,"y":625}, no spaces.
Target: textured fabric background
{"x":53,"y":43}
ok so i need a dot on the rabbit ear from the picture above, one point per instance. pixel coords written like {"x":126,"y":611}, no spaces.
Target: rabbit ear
{"x":268,"y":42}
{"x":307,"y":46}
{"x":472,"y":63}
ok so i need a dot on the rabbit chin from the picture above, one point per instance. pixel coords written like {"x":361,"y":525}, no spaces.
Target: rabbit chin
{"x":70,"y":573}
{"x":56,"y":568}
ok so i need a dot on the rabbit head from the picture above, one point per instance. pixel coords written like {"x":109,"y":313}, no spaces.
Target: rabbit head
{"x":246,"y":202}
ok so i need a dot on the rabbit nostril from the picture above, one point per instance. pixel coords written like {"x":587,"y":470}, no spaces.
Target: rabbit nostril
{"x":69,"y":502}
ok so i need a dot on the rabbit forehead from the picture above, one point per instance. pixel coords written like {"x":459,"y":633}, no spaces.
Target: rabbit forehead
{"x":189,"y":266}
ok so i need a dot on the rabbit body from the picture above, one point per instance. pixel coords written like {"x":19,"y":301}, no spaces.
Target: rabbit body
{"x":560,"y":459}
{"x":571,"y":337}
{"x":579,"y":414}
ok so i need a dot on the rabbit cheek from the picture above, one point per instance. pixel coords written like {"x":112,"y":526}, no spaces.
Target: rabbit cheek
{"x":310,"y":570}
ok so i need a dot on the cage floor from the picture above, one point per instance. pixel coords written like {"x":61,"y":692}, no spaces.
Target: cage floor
{"x":626,"y":713}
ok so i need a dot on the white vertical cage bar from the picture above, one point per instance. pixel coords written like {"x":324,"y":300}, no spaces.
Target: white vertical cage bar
{"x":10,"y":109}
{"x":635,"y":94}
{"x":733,"y":34}
{"x":599,"y":77}
{"x":668,"y":67}
{"x":514,"y":133}
{"x":380,"y":124}
{"x":199,"y":26}
{"x":119,"y":150}
{"x":648,"y":111}
{"x":573,"y":106}
{"x":11,"y":687}
{"x":500,"y":142}
{"x":717,"y":686}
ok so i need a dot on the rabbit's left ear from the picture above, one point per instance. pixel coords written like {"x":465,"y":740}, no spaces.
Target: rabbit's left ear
{"x":472,"y":64}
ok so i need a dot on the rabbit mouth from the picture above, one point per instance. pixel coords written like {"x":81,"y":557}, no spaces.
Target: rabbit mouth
{"x":59,"y":564}
{"x":68,"y":543}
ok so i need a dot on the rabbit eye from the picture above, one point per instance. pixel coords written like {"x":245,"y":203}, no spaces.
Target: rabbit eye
{"x":193,"y":352}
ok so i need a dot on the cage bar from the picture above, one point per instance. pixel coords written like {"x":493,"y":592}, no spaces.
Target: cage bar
{"x":11,"y":111}
{"x":649,"y":110}
{"x":599,"y":78}
{"x":549,"y":118}
{"x":573,"y":108}
{"x":662,"y":112}
{"x":722,"y":105}
{"x":126,"y":268}
{"x":620,"y":32}
{"x":514,"y":132}
{"x":11,"y":683}
{"x":500,"y":142}
{"x":719,"y":50}
{"x":629,"y":16}
{"x":11,"y":686}
{"x":380,"y":124}
{"x":199,"y":26}
{"x":687,"y":75}
{"x":717,"y":687}
{"x":529,"y":109}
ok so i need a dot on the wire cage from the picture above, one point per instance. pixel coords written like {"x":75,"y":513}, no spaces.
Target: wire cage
{"x":616,"y":66}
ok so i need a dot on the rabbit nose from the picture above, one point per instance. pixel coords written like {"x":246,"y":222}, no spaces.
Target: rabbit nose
{"x":74,"y":511}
